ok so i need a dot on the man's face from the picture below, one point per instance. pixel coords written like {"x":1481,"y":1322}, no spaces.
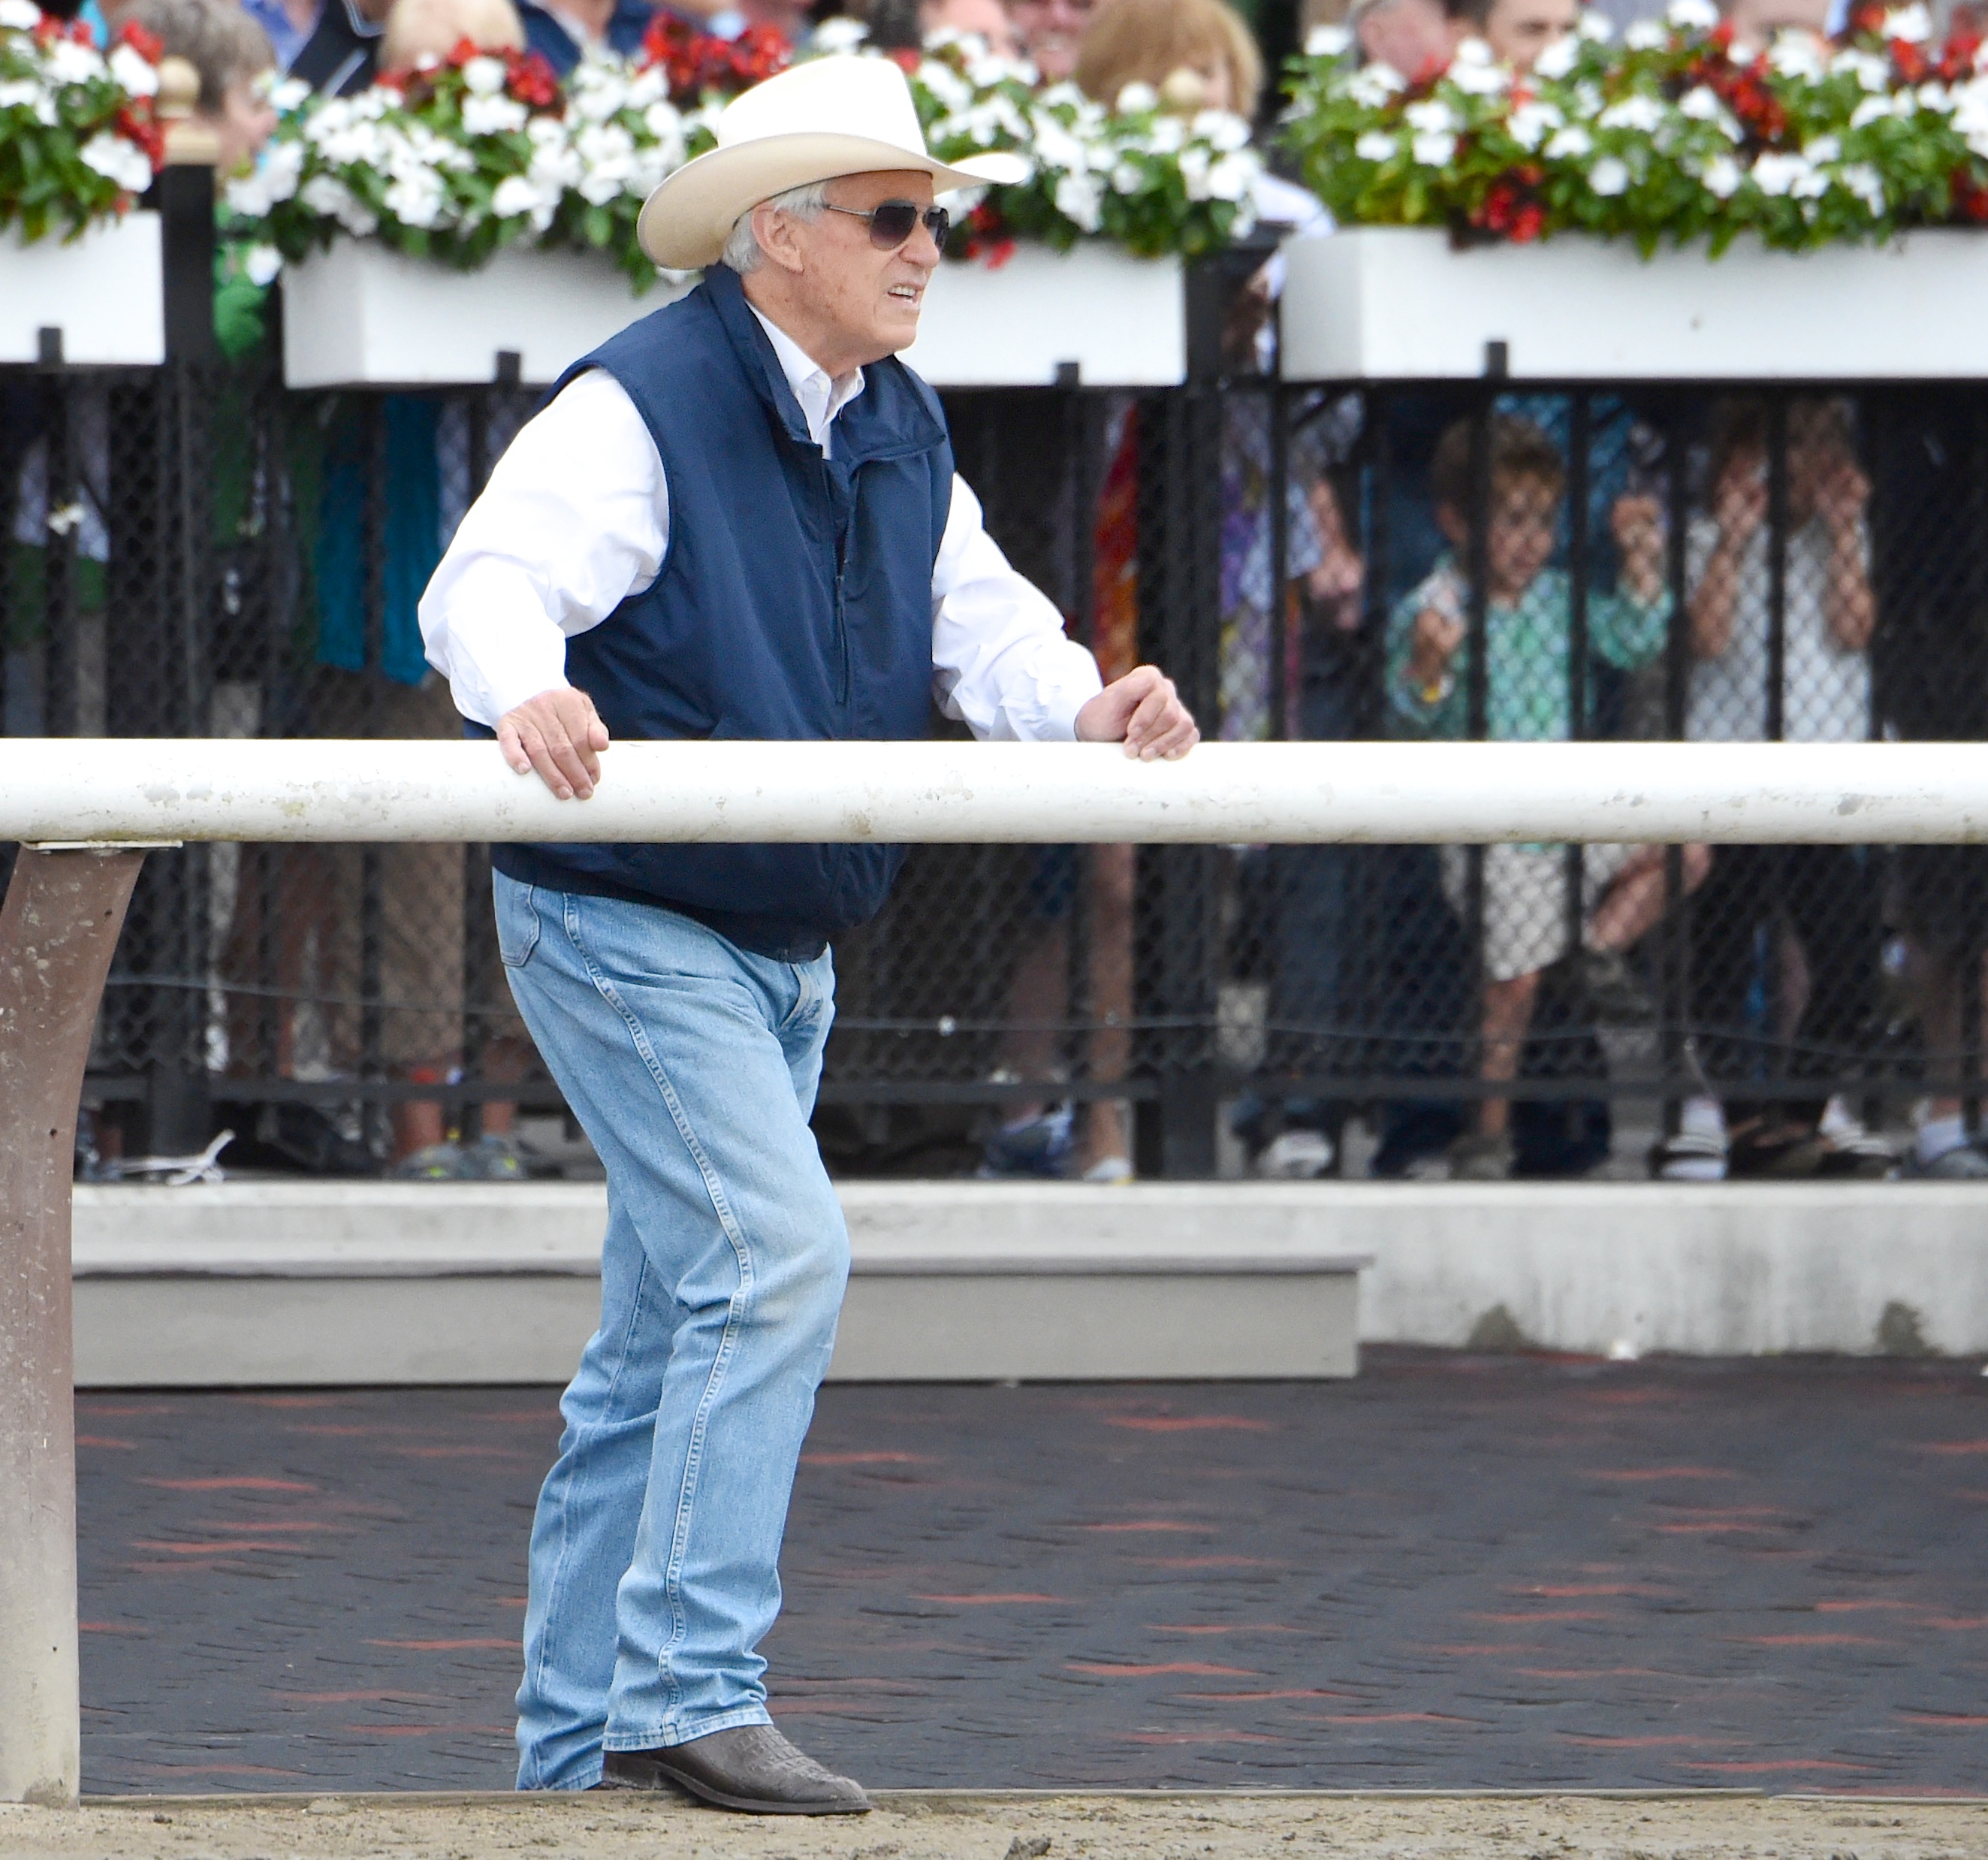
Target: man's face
{"x":1413,"y":37}
{"x":1518,"y":31}
{"x":1051,"y":31}
{"x":869,"y":299}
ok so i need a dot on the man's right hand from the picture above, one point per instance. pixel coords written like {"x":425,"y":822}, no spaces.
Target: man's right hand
{"x":558,"y":733}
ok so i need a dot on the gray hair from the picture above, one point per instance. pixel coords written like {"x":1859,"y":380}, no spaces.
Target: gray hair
{"x":742,"y":249}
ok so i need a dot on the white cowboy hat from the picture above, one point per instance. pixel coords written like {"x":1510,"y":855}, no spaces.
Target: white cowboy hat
{"x":827,"y":117}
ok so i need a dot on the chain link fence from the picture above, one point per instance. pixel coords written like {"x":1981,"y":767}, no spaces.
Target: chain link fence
{"x":194,"y":550}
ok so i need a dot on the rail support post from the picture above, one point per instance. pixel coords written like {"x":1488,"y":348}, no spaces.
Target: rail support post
{"x":58,"y":930}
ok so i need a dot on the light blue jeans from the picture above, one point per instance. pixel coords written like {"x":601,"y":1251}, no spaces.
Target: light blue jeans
{"x":655,"y":1552}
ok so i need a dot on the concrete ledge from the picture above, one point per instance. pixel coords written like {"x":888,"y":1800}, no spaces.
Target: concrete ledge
{"x":434,"y":1283}
{"x":253,"y":1284}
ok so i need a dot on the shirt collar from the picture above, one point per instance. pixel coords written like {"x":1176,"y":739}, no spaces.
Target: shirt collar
{"x":821,"y":399}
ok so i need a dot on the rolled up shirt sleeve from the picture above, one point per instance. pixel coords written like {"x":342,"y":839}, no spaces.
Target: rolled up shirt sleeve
{"x":1001,"y":663}
{"x":574,"y":519}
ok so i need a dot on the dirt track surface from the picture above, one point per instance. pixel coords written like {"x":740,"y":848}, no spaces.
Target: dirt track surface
{"x":969,"y":1828}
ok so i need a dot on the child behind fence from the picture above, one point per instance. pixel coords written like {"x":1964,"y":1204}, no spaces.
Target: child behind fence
{"x":1528,"y":635}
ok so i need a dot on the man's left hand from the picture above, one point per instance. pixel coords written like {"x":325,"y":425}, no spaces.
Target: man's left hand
{"x":1144,"y":711}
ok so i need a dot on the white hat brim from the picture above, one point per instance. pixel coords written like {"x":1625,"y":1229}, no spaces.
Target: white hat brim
{"x":685,"y":223}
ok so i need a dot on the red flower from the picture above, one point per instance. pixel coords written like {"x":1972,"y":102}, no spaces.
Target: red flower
{"x":999,"y":253}
{"x":697,"y":64}
{"x":135,"y":123}
{"x":464,"y":50}
{"x":1909,"y":61}
{"x":146,"y":44}
{"x":530,"y":80}
{"x":907,"y":59}
{"x":1970,"y":198}
{"x":1528,"y":223}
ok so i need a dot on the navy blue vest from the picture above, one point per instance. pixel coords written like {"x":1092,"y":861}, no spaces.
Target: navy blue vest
{"x":794,"y":603}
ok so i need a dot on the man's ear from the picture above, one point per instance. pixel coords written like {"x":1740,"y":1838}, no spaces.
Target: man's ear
{"x":775,"y":231}
{"x":1450,"y":521}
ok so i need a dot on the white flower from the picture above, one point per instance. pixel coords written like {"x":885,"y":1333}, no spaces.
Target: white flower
{"x":18,"y":16}
{"x":289,"y":94}
{"x":1372,"y":84}
{"x":1127,"y":178}
{"x":1558,"y":59}
{"x":117,"y":159}
{"x":1168,"y":137}
{"x":1936,"y":98}
{"x":1793,"y":175}
{"x":1609,"y":176}
{"x":1232,"y":177}
{"x":1079,"y":198}
{"x":1822,"y":149}
{"x":1870,"y":71}
{"x":1722,"y":177}
{"x":1644,"y":35}
{"x":1596,"y":26}
{"x":649,"y":88}
{"x":1913,"y":24}
{"x":25,"y":93}
{"x":1795,"y":54}
{"x":1134,"y":97}
{"x":516,"y":198}
{"x":663,"y":123}
{"x":1327,"y":41}
{"x":841,"y":34}
{"x":1433,"y":116}
{"x":485,"y":76}
{"x":1863,"y":179}
{"x":1532,"y":122}
{"x":1692,"y":16}
{"x":274,"y":178}
{"x":261,"y":263}
{"x":1432,"y":148}
{"x":952,"y":91}
{"x":1477,"y":75}
{"x":1702,"y":104}
{"x":488,"y":116}
{"x":1222,"y":129}
{"x":1194,"y":164}
{"x":70,"y":63}
{"x":329,"y":196}
{"x":135,"y":73}
{"x":1375,"y":145}
{"x":1636,"y":111}
{"x":598,"y":91}
{"x":415,"y":197}
{"x":1570,"y":144}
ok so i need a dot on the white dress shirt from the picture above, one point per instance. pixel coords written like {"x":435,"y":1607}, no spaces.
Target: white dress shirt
{"x":576,"y":518}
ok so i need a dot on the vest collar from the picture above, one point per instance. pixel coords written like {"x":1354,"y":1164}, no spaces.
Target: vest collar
{"x":876,"y":424}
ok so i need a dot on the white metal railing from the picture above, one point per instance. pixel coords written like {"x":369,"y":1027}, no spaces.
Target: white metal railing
{"x":95,"y":790}
{"x":88,"y":807}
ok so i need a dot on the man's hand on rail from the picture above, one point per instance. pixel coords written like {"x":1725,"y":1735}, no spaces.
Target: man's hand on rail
{"x":1144,"y":711}
{"x":558,"y":733}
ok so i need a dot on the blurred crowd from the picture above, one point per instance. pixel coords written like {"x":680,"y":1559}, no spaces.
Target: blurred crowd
{"x":1538,"y":538}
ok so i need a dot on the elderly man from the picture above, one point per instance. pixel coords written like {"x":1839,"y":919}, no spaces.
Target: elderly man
{"x":739,"y":518}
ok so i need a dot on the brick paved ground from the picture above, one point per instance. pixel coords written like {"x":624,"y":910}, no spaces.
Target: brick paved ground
{"x":1455,"y":1572}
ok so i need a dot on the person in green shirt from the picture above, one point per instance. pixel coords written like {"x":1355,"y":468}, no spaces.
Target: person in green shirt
{"x":1529,"y":650}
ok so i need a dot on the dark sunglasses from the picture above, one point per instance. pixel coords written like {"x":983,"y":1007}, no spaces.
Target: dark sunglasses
{"x":895,"y":221}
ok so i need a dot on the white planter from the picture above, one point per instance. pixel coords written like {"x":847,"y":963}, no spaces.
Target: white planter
{"x":1399,"y":303}
{"x":1121,"y":320}
{"x":363,"y":315}
{"x":105,"y":292}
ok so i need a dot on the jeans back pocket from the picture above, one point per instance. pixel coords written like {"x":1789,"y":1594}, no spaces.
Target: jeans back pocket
{"x":517,"y":924}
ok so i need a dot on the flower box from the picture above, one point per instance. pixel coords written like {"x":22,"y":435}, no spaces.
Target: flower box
{"x":105,"y":292}
{"x":361,"y":314}
{"x":1386,"y":303}
{"x":1122,"y":321}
